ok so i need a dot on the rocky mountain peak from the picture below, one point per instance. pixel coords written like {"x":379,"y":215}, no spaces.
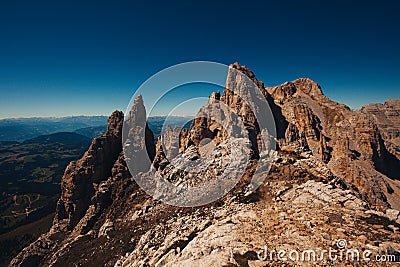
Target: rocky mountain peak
{"x":301,"y":85}
{"x":309,"y":87}
{"x":94,"y":167}
{"x":243,"y":69}
{"x":138,"y":138}
{"x":333,"y":173}
{"x":114,"y":123}
{"x":137,"y":114}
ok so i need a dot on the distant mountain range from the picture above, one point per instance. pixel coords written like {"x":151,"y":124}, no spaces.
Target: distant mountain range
{"x":20,"y":129}
{"x":92,"y":132}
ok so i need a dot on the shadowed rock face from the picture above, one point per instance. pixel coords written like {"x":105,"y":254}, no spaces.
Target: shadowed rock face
{"x":93,"y":168}
{"x":138,"y":144}
{"x":335,"y":173}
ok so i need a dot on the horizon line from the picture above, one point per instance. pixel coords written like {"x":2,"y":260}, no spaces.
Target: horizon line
{"x":72,"y":116}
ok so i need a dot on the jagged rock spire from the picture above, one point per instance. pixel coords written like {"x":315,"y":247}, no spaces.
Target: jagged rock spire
{"x":94,"y":167}
{"x":114,"y":123}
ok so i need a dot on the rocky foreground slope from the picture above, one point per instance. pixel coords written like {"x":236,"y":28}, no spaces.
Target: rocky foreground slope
{"x":335,"y":175}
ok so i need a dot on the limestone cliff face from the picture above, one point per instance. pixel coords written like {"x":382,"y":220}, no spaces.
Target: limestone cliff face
{"x":349,"y":142}
{"x":139,"y":145}
{"x":240,"y":81}
{"x":387,"y":117}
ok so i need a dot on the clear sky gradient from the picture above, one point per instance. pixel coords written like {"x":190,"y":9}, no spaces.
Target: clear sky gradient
{"x":62,"y":58}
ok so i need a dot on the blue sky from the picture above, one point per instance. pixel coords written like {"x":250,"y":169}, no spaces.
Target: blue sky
{"x":87,"y":57}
